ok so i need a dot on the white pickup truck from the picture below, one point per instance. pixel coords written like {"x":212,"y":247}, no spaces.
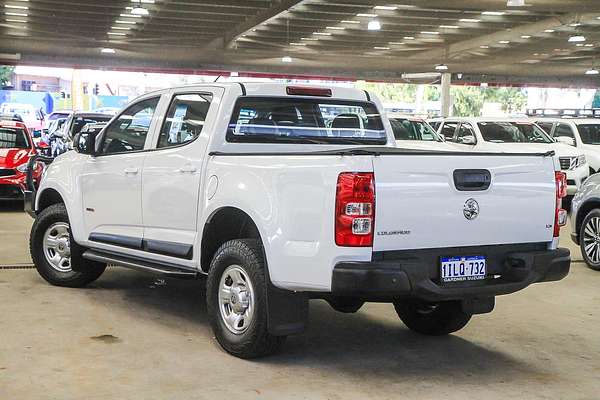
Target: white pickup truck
{"x":281,"y":194}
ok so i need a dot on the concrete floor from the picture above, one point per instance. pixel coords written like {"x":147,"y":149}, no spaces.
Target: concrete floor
{"x":131,"y":336}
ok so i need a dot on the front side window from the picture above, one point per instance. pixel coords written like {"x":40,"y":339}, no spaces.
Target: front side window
{"x":305,"y":120}
{"x":185,"y":119}
{"x":512,"y":132}
{"x":405,"y":129}
{"x":128,"y":132}
{"x":589,"y":133}
{"x":563,"y":130}
{"x":546,"y":126}
{"x":13,"y":138}
{"x":448,"y":130}
{"x":465,"y":130}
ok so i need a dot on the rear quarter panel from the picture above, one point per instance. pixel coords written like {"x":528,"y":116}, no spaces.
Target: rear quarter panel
{"x":291,"y":199}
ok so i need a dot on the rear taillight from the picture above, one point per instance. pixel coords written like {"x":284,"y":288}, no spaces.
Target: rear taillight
{"x":560,"y":216}
{"x":355,"y":209}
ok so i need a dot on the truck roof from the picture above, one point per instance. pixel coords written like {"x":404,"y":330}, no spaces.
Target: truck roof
{"x":274,"y":89}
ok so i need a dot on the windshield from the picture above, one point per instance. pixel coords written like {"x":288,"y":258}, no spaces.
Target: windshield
{"x":589,"y":133}
{"x":512,"y":132}
{"x":302,"y":120}
{"x":13,"y":138}
{"x":405,"y":129}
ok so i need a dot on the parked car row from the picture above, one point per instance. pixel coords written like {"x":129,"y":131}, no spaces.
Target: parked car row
{"x":281,"y":193}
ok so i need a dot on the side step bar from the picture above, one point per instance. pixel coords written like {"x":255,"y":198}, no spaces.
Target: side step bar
{"x":168,"y":270}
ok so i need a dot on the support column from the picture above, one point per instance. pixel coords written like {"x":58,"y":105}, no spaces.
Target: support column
{"x":445,"y":97}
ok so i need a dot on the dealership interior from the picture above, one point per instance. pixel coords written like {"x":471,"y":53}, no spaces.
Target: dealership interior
{"x":136,"y":335}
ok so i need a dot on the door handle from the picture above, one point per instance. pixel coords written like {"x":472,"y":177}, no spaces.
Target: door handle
{"x":131,"y":171}
{"x":187,"y":169}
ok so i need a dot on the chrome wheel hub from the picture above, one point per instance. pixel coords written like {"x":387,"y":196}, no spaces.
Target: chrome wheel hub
{"x":57,"y":246}
{"x":591,"y":240}
{"x":236,"y":299}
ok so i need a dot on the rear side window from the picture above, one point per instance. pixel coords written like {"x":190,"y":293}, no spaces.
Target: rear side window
{"x":185,"y":119}
{"x":563,"y":130}
{"x":13,"y":138}
{"x":448,"y":130}
{"x":305,"y":120}
{"x":589,"y":133}
{"x":546,"y":126}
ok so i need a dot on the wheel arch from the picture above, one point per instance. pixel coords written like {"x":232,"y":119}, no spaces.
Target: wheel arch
{"x":48,"y":197}
{"x":224,"y":224}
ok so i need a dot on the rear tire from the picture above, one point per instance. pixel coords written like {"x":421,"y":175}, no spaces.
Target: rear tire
{"x":433,"y":319}
{"x":589,"y":239}
{"x":236,"y":297}
{"x":56,"y":256}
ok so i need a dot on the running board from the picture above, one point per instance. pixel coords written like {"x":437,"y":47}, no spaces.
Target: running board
{"x":168,"y":270}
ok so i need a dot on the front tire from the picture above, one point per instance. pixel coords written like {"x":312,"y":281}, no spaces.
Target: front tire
{"x":56,"y":256}
{"x":589,"y":239}
{"x":433,"y":319}
{"x":236,"y":296}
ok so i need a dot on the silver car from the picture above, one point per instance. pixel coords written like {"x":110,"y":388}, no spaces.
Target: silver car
{"x":585,"y":221}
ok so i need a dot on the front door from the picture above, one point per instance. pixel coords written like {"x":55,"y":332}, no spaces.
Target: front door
{"x":112,"y":180}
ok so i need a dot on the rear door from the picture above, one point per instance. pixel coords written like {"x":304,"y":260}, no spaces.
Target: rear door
{"x":420,"y":204}
{"x":173,"y":173}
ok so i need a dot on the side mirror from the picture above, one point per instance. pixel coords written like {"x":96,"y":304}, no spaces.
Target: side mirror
{"x":85,"y":143}
{"x":467,"y":140}
{"x":566,"y":140}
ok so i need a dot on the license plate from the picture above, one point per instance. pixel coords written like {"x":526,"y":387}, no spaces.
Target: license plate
{"x":456,"y":269}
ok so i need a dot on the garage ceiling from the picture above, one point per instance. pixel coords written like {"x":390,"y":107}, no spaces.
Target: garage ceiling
{"x":485,"y":40}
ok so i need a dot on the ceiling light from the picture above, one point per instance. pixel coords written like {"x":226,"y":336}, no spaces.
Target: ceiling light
{"x":366,"y":15}
{"x":122,"y":21}
{"x":286,"y":59}
{"x":483,"y":46}
{"x":577,"y":38}
{"x":396,"y":43}
{"x":16,"y":20}
{"x":589,"y":45}
{"x":441,"y":67}
{"x":504,"y":41}
{"x":336,"y":28}
{"x":525,"y":37}
{"x":130,"y":16}
{"x":309,"y":38}
{"x":297,"y":44}
{"x":386,"y":8}
{"x":143,"y":1}
{"x":469,"y":20}
{"x":15,"y":14}
{"x":140,"y":11}
{"x":108,"y":51}
{"x":116,"y":33}
{"x":575,"y":24}
{"x":579,"y":45}
{"x":448,"y":26}
{"x":409,"y":38}
{"x":592,"y":71}
{"x":322,"y":33}
{"x":374,"y":25}
{"x":16,"y":7}
{"x":349,"y":21}
{"x":493,"y":13}
{"x":549,"y":31}
{"x":430,"y":32}
{"x":381,"y":48}
{"x":515,"y":3}
{"x":122,"y":28}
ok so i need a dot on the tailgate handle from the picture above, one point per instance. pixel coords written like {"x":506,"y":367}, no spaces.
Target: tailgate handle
{"x":472,"y":179}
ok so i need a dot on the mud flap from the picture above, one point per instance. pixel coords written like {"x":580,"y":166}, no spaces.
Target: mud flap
{"x":287,"y":311}
{"x":478,"y":306}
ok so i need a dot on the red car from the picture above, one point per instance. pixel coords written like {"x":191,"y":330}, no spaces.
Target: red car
{"x":16,"y":148}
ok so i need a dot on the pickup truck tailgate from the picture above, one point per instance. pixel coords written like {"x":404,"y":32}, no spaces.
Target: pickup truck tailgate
{"x":434,"y":201}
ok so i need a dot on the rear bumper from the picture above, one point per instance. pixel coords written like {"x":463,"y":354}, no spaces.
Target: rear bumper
{"x":417,"y":277}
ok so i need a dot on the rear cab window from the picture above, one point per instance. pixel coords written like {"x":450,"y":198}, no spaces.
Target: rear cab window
{"x":306,"y":121}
